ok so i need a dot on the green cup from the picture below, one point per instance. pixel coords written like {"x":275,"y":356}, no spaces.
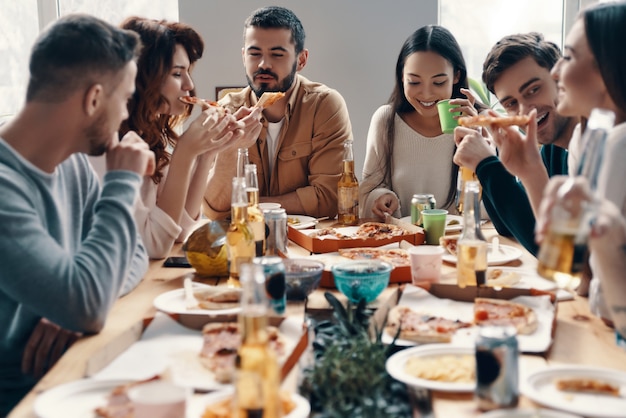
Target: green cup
{"x":446,"y":119}
{"x":434,"y":224}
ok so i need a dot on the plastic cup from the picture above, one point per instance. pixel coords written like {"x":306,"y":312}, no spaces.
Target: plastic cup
{"x":269,"y":206}
{"x":446,"y":118}
{"x":425,"y":263}
{"x":434,"y":224}
{"x":158,"y":399}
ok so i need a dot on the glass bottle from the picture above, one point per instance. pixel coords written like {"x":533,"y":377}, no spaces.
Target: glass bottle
{"x":465,"y":175}
{"x":239,"y":237}
{"x":472,"y":246}
{"x":242,"y":161}
{"x":255,"y":214}
{"x":348,"y":189}
{"x":257,"y":378}
{"x":561,"y":256}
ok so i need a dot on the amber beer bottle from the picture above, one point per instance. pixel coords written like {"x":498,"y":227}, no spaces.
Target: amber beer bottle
{"x":255,"y":215}
{"x":465,"y":175}
{"x":257,"y":379}
{"x":348,"y":189}
{"x":472,"y":249}
{"x":239,"y":237}
{"x":562,"y":252}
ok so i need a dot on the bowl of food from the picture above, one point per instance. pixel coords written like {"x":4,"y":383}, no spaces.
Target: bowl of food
{"x":302,"y":276}
{"x":362,"y":279}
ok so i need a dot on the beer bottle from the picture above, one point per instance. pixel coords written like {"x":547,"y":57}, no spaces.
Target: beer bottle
{"x":348,"y":189}
{"x":465,"y":175}
{"x":472,"y":249}
{"x":239,"y":237}
{"x":561,"y":256}
{"x":257,"y":377}
{"x":255,"y":215}
{"x":242,"y":160}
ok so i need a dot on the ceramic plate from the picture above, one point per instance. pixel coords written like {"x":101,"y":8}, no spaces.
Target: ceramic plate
{"x":457,"y":222}
{"x":526,"y":413}
{"x":302,"y":409}
{"x":396,"y":364}
{"x":173,"y":302}
{"x":301,"y":221}
{"x":540,"y":388}
{"x":505,"y":254}
{"x":77,"y":399}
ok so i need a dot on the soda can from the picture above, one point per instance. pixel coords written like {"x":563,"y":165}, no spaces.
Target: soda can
{"x":275,"y":232}
{"x":275,"y":286}
{"x":420,"y":202}
{"x":497,"y":369}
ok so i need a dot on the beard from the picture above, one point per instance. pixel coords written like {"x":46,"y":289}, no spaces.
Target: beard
{"x":282,"y":87}
{"x":97,"y":136}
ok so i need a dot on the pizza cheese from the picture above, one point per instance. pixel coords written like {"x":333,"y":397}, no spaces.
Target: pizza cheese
{"x":395,"y":256}
{"x":504,"y":312}
{"x":497,"y":121}
{"x":420,"y":327}
{"x":206,"y":104}
{"x":269,"y":98}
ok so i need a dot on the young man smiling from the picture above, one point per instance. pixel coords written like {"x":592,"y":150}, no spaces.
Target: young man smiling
{"x":299,"y":151}
{"x":517,"y":71}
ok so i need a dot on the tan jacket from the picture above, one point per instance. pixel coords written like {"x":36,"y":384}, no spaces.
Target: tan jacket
{"x":309,"y":150}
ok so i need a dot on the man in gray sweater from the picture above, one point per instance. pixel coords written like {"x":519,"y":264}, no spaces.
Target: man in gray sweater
{"x":68,"y":246}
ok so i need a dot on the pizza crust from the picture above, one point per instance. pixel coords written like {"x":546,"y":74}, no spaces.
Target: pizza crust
{"x":497,"y":121}
{"x":205,"y":104}
{"x":218,"y":297}
{"x":420,"y":327}
{"x":269,"y":98}
{"x":587,"y":385}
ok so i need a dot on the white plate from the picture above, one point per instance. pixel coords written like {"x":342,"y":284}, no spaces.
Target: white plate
{"x":396,"y":363}
{"x":305,"y":221}
{"x":449,"y":228}
{"x":526,"y":413}
{"x":77,"y":399}
{"x":173,"y":302}
{"x":503,"y":256}
{"x":540,"y":388}
{"x":302,"y":409}
{"x":519,"y":278}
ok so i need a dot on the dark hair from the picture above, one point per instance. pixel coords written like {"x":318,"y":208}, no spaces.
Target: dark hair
{"x":440,"y":41}
{"x":273,"y":17}
{"x":605,"y":28}
{"x":511,"y":49}
{"x":159,"y":38}
{"x":76,"y":52}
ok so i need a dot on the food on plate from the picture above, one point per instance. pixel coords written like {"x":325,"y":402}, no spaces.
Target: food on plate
{"x":497,"y":121}
{"x":221,"y":340}
{"x":375,"y":230}
{"x":217,"y":297}
{"x":118,"y":403}
{"x":193,"y":100}
{"x":421,"y":327}
{"x":457,"y":368}
{"x":396,"y":256}
{"x":293,"y":221}
{"x":500,"y":312}
{"x":269,"y":98}
{"x":453,"y":222}
{"x":498,"y":277}
{"x":587,"y":385}
{"x":224,"y":408}
{"x":450,"y":243}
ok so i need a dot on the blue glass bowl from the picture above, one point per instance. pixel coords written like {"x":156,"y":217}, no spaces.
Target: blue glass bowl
{"x":302,"y":276}
{"x":362,"y":279}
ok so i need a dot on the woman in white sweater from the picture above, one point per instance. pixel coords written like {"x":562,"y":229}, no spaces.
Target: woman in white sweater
{"x":407,"y":152}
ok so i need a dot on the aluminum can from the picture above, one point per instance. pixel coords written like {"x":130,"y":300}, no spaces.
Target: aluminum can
{"x":274,"y":271}
{"x":497,"y":369}
{"x":275,"y":232}
{"x":420,"y":202}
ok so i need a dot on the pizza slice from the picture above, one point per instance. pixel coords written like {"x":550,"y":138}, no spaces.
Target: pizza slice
{"x":269,"y":98}
{"x":421,"y":327}
{"x":217,"y":297}
{"x":500,"y":312}
{"x":397,"y":257}
{"x":449,"y":243}
{"x":205,"y":104}
{"x":497,"y":121}
{"x":587,"y":385}
{"x":119,"y":404}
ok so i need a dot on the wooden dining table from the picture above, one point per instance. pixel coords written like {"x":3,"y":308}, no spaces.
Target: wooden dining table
{"x":579,"y":337}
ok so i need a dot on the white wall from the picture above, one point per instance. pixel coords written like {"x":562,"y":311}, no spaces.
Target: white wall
{"x":353,"y":47}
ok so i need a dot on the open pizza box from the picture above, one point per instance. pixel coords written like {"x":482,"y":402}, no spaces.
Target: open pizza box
{"x":453,"y":302}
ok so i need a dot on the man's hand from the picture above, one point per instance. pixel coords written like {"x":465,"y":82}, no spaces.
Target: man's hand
{"x":45,"y":346}
{"x":250,"y":118}
{"x":132,"y":154}
{"x":472,"y":148}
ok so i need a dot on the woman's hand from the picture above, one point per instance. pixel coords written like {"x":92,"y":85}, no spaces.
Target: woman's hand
{"x":385,"y":204}
{"x":209,"y":132}
{"x":466,"y":106}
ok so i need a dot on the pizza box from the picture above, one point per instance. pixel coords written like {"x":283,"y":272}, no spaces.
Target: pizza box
{"x":452,"y":292}
{"x":317,"y":245}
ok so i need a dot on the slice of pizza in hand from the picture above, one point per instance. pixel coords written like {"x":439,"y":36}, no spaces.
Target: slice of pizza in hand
{"x":420,"y":327}
{"x":205,"y":104}
{"x":500,"y":312}
{"x":269,"y":98}
{"x":496,"y":121}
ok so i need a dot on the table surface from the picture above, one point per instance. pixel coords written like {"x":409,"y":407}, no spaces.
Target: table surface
{"x":579,"y":338}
